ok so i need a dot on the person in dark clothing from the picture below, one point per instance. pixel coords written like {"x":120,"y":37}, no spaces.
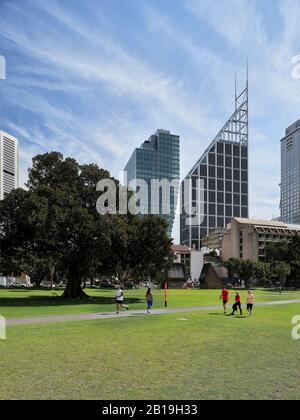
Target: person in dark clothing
{"x":237,"y":305}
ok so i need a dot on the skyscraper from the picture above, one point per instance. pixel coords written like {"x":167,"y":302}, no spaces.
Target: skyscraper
{"x":290,"y":175}
{"x":157,"y":159}
{"x":223,"y":169}
{"x":9,"y":165}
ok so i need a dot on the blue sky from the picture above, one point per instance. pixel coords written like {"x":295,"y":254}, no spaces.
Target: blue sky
{"x":94,"y":78}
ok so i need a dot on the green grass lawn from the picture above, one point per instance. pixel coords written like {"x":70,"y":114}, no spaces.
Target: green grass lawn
{"x":25,"y":303}
{"x":155,"y":357}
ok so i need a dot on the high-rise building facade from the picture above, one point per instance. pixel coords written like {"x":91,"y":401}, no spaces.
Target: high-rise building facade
{"x":248,"y":239}
{"x":158,"y":159}
{"x":9,"y":164}
{"x":290,"y":175}
{"x":223,"y":171}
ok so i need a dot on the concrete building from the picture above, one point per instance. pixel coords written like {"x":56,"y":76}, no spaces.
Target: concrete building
{"x":157,"y":159}
{"x":214,"y":240}
{"x":188,"y":264}
{"x":223,"y":172}
{"x":248,"y":238}
{"x":9,"y":164}
{"x":290,"y":175}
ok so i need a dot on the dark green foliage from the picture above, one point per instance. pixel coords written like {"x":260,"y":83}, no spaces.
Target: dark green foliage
{"x":54,"y":226}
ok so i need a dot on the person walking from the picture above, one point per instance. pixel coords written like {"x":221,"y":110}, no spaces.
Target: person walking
{"x":250,"y":303}
{"x":237,"y":304}
{"x":225,"y":298}
{"x":120,"y":299}
{"x":149,"y":299}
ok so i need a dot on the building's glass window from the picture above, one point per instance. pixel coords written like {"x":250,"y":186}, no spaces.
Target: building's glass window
{"x":236,"y":150}
{"x":244,"y":164}
{"x":228,"y":149}
{"x":220,"y":160}
{"x":236,"y":211}
{"x":220,"y":185}
{"x":220,"y":173}
{"x":244,"y":188}
{"x":212,"y":184}
{"x":212,"y":159}
{"x":220,"y":148}
{"x":228,"y":174}
{"x":211,"y":171}
{"x":220,"y":197}
{"x":228,"y":162}
{"x":228,"y":186}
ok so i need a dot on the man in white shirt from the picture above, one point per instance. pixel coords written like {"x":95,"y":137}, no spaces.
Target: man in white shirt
{"x":120,"y":299}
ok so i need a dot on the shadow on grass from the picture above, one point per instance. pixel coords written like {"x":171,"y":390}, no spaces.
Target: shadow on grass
{"x":38,"y":301}
{"x":230,"y":316}
{"x":275,"y":290}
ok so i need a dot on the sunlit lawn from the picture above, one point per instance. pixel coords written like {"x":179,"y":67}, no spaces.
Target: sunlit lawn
{"x":24,"y":303}
{"x":207,"y":356}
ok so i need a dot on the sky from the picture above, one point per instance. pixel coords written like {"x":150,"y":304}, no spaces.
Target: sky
{"x":95,"y":78}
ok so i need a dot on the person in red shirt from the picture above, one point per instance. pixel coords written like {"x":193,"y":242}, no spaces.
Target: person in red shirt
{"x":237,"y":304}
{"x":225,"y":298}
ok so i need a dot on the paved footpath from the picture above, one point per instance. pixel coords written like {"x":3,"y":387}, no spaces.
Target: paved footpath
{"x":93,"y":316}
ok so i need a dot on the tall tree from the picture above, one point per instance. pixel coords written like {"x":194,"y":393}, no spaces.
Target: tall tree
{"x":232,"y":265}
{"x":140,"y":247}
{"x":277,"y":252}
{"x":246,"y":271}
{"x":282,"y":270}
{"x":293,"y":260}
{"x":56,"y":221}
{"x":262,"y":271}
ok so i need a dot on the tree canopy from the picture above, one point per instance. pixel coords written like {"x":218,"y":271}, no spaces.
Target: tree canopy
{"x":54,"y":225}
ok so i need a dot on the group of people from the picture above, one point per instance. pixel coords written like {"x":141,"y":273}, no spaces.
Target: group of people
{"x":224,"y":296}
{"x":120,"y":300}
{"x":238,"y":303}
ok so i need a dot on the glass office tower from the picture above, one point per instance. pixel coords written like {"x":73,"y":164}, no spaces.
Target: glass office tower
{"x":156,"y":160}
{"x":290,"y":175}
{"x":223,"y":169}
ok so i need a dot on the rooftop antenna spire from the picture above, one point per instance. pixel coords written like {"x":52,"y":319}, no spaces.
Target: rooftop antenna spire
{"x":235,"y":90}
{"x":247,"y":73}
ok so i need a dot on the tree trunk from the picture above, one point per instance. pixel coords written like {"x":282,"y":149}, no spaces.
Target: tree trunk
{"x":51,"y":271}
{"x":73,"y":289}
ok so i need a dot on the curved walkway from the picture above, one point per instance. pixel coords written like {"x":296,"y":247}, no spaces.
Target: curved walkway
{"x":93,"y":316}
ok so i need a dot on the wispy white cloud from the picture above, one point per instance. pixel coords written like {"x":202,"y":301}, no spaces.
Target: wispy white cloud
{"x":234,"y":20}
{"x":274,"y":94}
{"x":90,"y":94}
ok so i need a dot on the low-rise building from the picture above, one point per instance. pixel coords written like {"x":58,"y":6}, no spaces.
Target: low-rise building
{"x":248,"y":238}
{"x":213,"y":276}
{"x":188,"y":264}
{"x":9,"y":281}
{"x":214,"y":240}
